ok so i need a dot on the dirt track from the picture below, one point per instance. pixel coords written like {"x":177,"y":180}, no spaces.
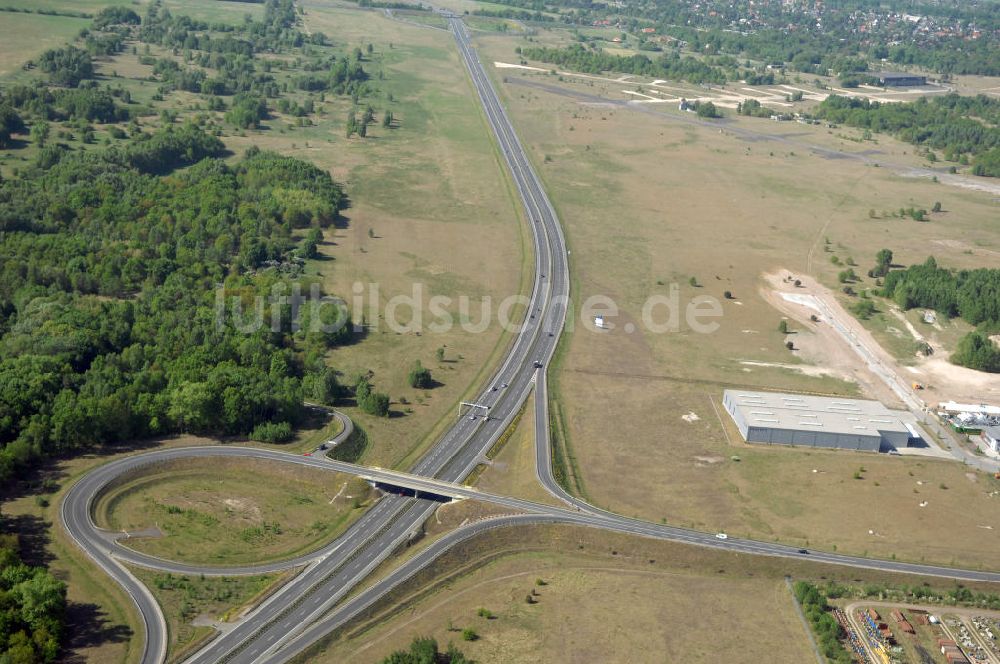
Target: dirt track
{"x":826,"y":347}
{"x":822,"y":345}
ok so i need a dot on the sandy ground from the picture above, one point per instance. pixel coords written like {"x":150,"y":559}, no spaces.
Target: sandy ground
{"x":817,"y":343}
{"x":823,"y":346}
{"x":732,"y":95}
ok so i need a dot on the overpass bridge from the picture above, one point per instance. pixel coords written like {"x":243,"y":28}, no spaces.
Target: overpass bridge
{"x":429,"y":486}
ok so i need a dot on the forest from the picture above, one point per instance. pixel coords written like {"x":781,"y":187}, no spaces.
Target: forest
{"x":973,"y":295}
{"x":32,"y":608}
{"x":963,"y":129}
{"x":124,"y":263}
{"x":152,"y":282}
{"x":108,"y":314}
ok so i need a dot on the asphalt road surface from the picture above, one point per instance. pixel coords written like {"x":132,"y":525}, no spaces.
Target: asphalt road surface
{"x":292,"y":619}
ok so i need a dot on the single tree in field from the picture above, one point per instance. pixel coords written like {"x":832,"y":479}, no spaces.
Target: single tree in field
{"x":883,"y":261}
{"x":420,"y":377}
{"x":783,"y":327}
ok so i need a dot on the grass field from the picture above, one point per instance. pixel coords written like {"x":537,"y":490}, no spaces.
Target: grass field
{"x":233,"y":511}
{"x":429,"y":206}
{"x":679,"y":613}
{"x":215,"y":11}
{"x":622,"y":604}
{"x":192,"y":604}
{"x":512,"y":469}
{"x":431,"y":194}
{"x":605,"y":598}
{"x":651,"y":199}
{"x":430,"y":191}
{"x":25,"y":36}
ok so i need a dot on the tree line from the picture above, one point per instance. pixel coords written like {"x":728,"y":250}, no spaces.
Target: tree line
{"x":963,"y":128}
{"x":594,"y":61}
{"x":973,"y":295}
{"x":826,"y":628}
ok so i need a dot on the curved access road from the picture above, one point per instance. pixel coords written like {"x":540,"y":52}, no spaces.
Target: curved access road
{"x":394,"y":519}
{"x":344,"y":563}
{"x":76,"y":514}
{"x":293,"y":618}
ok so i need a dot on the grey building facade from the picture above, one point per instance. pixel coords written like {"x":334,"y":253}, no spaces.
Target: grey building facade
{"x":808,"y":421}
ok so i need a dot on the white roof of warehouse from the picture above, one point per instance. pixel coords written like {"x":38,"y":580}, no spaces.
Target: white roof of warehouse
{"x":801,"y":412}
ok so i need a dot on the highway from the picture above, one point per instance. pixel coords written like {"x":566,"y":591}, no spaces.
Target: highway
{"x":395,"y":519}
{"x":76,"y":514}
{"x":336,"y":569}
{"x":309,"y":606}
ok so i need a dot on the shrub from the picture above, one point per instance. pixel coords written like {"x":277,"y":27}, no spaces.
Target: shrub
{"x":863,"y":309}
{"x":420,"y":377}
{"x":272,"y":432}
{"x":67,"y":66}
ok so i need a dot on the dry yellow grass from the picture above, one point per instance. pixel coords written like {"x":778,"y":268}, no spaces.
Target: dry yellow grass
{"x":233,"y":512}
{"x":512,"y":471}
{"x":595,"y":606}
{"x":608,"y":595}
{"x":589,"y":613}
{"x":433,"y":195}
{"x":648,"y":199}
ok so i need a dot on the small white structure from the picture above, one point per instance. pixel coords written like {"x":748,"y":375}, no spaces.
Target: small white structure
{"x":599,"y":323}
{"x":930,"y":317}
{"x":991,"y":436}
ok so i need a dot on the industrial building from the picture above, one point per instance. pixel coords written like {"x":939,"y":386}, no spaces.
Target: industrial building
{"x":808,"y":421}
{"x":969,"y":417}
{"x":894,"y":79}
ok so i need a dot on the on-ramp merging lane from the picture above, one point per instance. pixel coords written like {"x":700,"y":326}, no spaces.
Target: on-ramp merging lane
{"x":300,"y":612}
{"x":394,"y":519}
